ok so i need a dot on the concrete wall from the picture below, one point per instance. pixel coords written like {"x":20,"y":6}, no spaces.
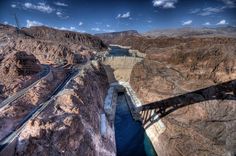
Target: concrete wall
{"x":136,"y":53}
{"x":119,"y":68}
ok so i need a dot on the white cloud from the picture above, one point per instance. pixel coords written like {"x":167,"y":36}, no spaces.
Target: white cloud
{"x":108,"y":30}
{"x":194,"y":11}
{"x":61,"y":15}
{"x":73,"y":28}
{"x":61,"y":4}
{"x":13,"y":5}
{"x":70,"y":29}
{"x":6,"y":23}
{"x":108,"y":26}
{"x":210,"y":10}
{"x":42,"y":7}
{"x":229,"y":3}
{"x":96,"y":29}
{"x":214,"y":10}
{"x":164,"y":3}
{"x":33,"y":23}
{"x":81,"y":23}
{"x":222,"y":22}
{"x":125,"y":15}
{"x":149,"y":21}
{"x":187,"y":22}
{"x":207,"y":23}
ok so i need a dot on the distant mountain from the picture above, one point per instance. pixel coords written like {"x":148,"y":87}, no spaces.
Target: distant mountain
{"x":228,"y":31}
{"x":107,"y":37}
{"x":49,"y":44}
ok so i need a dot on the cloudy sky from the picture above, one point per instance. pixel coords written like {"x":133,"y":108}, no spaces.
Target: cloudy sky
{"x":96,"y":16}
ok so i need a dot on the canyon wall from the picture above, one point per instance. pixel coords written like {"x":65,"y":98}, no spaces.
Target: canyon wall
{"x":71,"y":123}
{"x":23,"y":51}
{"x":206,"y":124}
{"x":205,"y":121}
{"x":110,"y":37}
{"x":50,"y":45}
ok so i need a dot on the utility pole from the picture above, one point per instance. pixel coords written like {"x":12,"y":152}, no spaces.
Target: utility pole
{"x":17,"y":24}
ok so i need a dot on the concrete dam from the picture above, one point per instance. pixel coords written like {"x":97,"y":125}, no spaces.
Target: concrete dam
{"x":121,"y":106}
{"x":119,"y":68}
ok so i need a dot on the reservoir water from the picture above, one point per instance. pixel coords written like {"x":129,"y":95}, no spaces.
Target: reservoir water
{"x":117,"y":51}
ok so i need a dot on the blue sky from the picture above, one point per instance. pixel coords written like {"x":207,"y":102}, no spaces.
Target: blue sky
{"x":96,"y":16}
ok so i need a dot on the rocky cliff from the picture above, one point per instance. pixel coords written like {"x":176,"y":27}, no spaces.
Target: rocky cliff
{"x":19,"y":63}
{"x":110,"y":37}
{"x":50,"y":45}
{"x":71,"y":124}
{"x":206,"y":123}
{"x":160,"y":44}
{"x":227,"y":31}
{"x":17,"y":70}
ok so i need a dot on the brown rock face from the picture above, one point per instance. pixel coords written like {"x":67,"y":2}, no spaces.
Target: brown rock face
{"x":18,"y":70}
{"x":113,"y":36}
{"x":206,"y":124}
{"x":50,"y":45}
{"x":71,"y":124}
{"x":19,"y":63}
{"x":22,"y":63}
{"x":46,"y":33}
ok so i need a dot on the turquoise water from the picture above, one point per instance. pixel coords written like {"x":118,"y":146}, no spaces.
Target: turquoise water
{"x":131,"y":139}
{"x":116,"y":51}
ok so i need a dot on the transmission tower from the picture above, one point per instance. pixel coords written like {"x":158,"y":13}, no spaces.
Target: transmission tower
{"x":17,"y":24}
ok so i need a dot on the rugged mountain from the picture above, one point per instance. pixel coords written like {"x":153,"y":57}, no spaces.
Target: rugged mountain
{"x":109,"y":37}
{"x":40,"y":44}
{"x":19,"y":63}
{"x":46,"y":33}
{"x":15,"y":68}
{"x":228,"y":31}
{"x":206,"y":124}
{"x":160,"y":44}
{"x":151,"y":40}
{"x":50,"y":45}
{"x":71,"y":123}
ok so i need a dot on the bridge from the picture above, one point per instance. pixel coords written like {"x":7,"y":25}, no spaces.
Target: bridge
{"x":152,"y":112}
{"x":119,"y":69}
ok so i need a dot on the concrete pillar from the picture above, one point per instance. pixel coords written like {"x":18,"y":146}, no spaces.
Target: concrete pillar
{"x":103,"y":125}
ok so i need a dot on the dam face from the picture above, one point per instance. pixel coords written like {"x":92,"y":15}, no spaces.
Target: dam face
{"x":119,"y":68}
{"x":131,"y":138}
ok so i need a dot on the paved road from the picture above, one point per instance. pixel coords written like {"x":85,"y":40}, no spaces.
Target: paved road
{"x":10,"y":99}
{"x":35,"y":112}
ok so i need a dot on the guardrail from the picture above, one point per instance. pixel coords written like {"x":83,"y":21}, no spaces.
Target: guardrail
{"x":10,"y":99}
{"x":34,"y":113}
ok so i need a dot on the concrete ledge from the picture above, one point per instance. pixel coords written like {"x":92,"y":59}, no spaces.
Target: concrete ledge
{"x":133,"y":52}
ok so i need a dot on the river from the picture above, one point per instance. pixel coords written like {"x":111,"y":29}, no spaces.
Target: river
{"x":131,"y":139}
